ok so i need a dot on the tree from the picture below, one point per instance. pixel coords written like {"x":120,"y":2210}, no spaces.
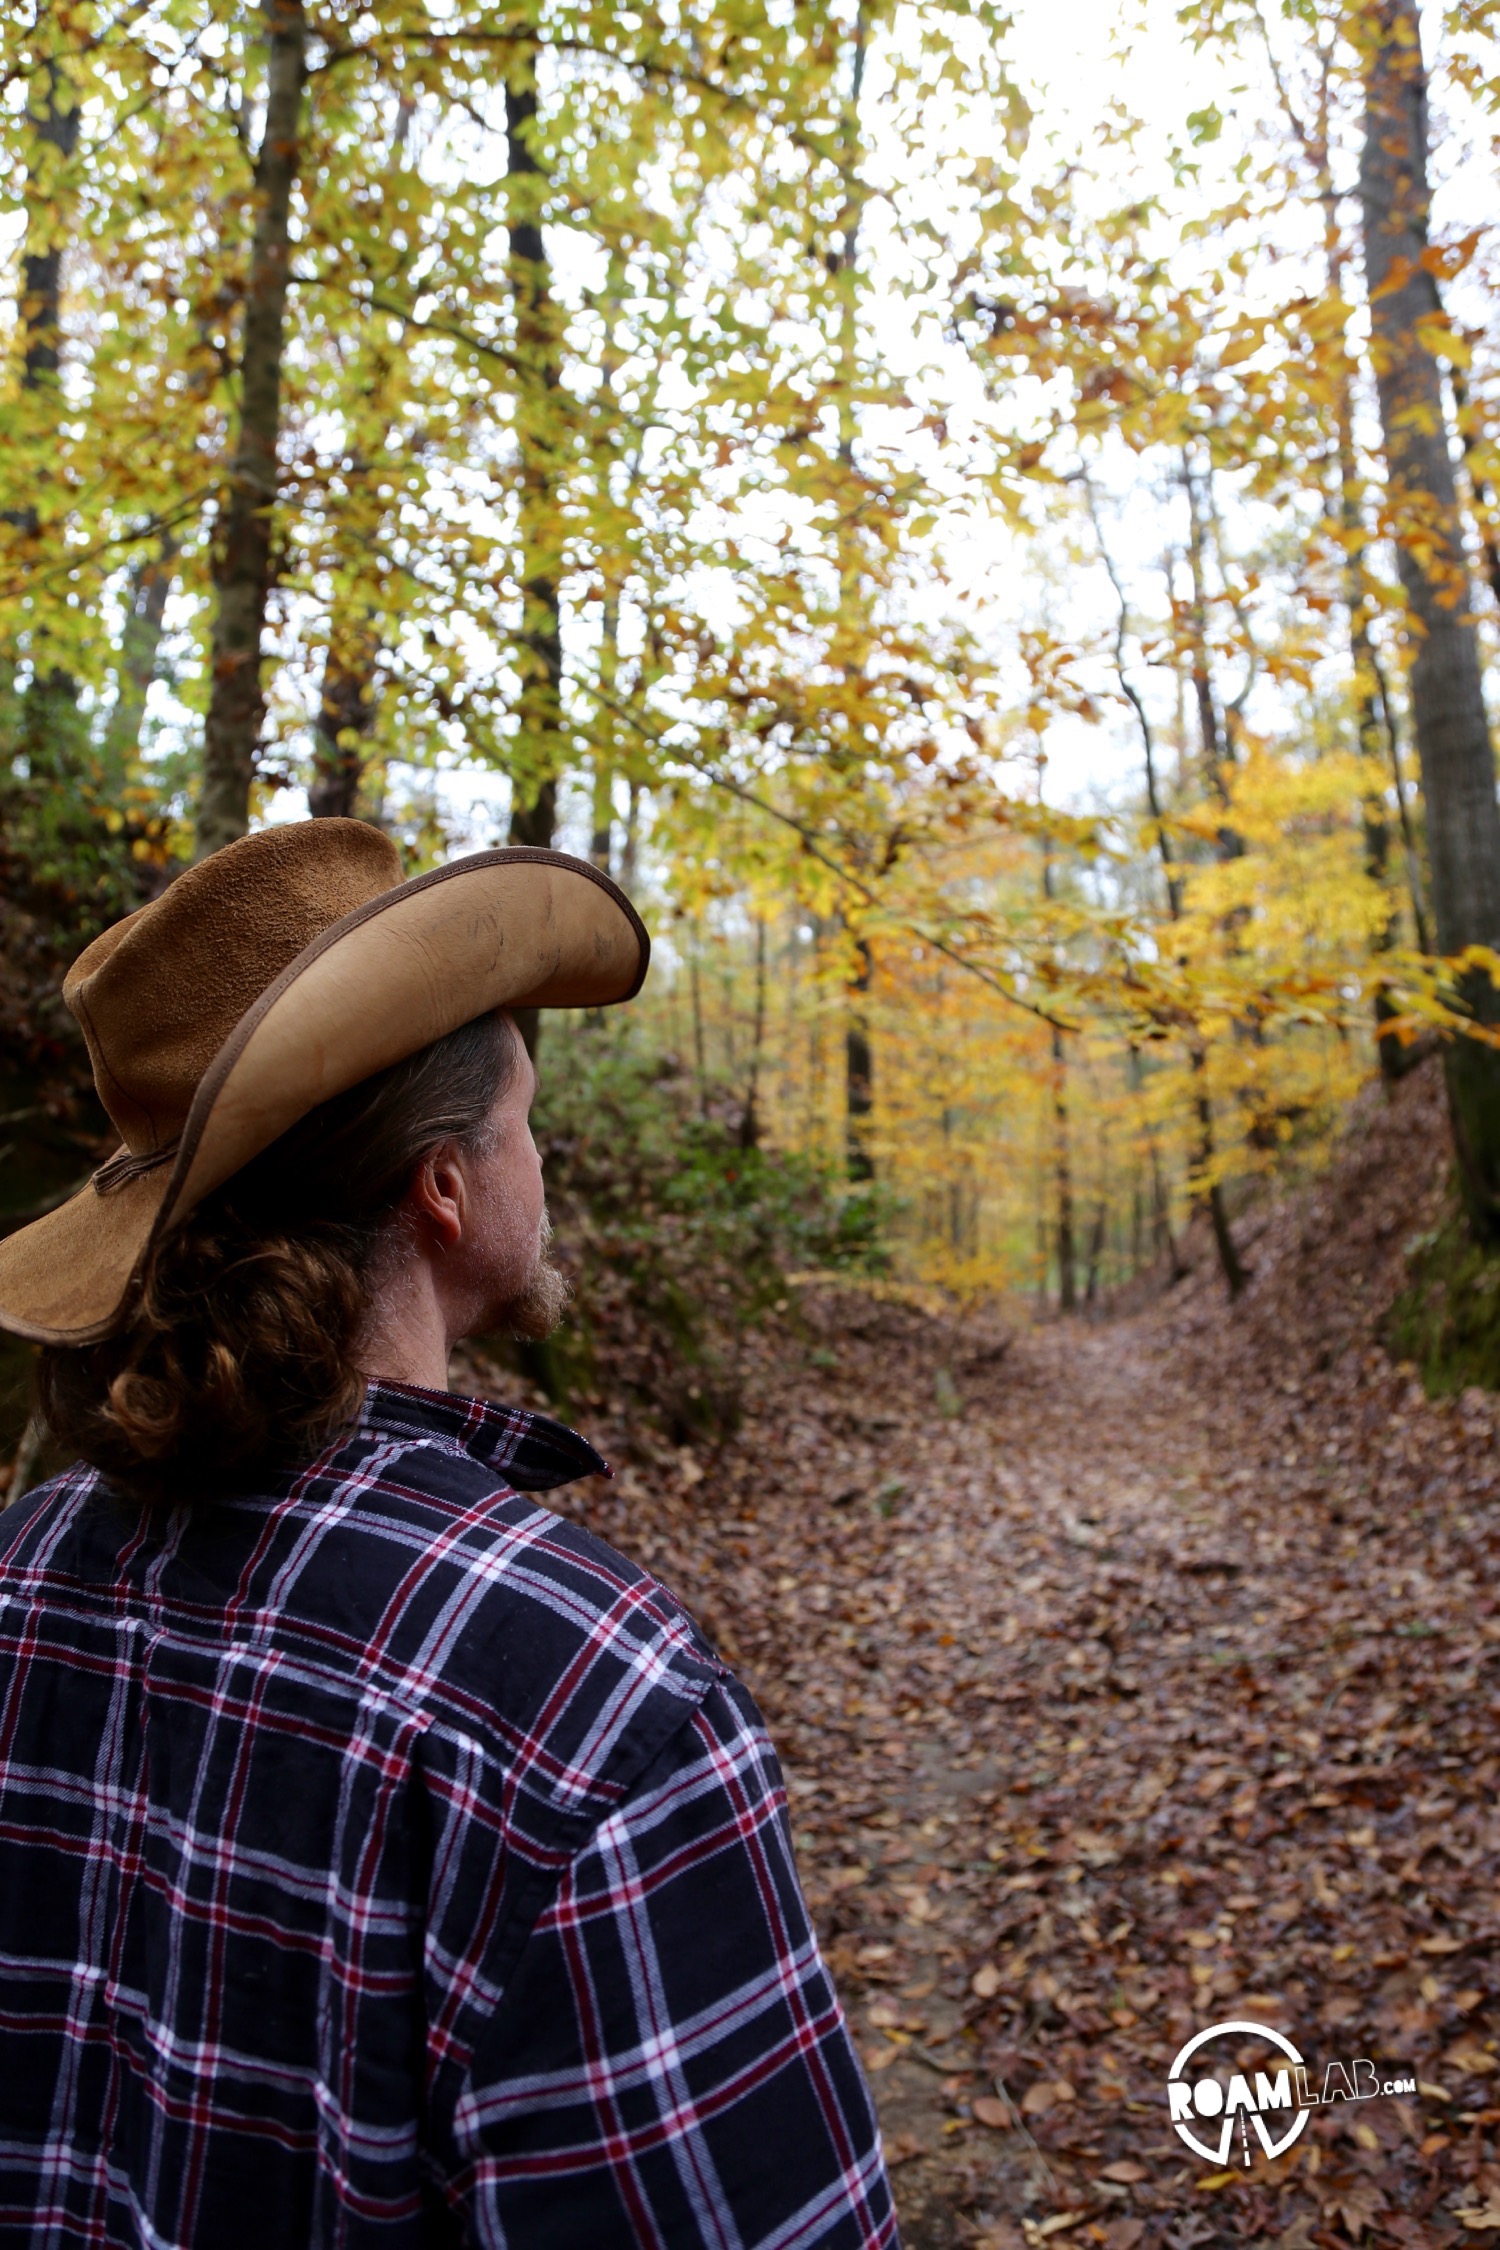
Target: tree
{"x":148,"y":586}
{"x":1447,"y":697}
{"x":539,"y":752}
{"x":243,"y":532}
{"x":48,"y":719}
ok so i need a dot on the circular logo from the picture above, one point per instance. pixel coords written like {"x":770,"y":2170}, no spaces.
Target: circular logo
{"x":1235,"y":2080}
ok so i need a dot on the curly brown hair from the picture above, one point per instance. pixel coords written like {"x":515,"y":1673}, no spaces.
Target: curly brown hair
{"x":236,"y":1357}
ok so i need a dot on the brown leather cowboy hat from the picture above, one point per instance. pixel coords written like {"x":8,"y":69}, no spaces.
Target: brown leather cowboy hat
{"x":268,"y":978}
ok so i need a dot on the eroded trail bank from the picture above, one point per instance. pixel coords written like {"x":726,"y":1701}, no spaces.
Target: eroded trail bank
{"x":1116,"y":1701}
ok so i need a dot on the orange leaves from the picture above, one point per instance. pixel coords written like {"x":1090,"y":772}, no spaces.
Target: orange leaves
{"x":1443,"y":260}
{"x":1446,"y":260}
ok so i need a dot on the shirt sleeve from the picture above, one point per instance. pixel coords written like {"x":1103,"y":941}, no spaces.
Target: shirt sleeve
{"x":670,"y":2066}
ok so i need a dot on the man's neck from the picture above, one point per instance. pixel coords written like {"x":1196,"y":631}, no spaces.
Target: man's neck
{"x":405,"y":1338}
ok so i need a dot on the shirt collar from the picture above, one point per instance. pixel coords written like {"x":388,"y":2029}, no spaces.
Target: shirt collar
{"x":532,"y":1453}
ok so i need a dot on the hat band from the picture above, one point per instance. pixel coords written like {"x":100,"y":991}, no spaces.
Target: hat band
{"x":123,"y":1167}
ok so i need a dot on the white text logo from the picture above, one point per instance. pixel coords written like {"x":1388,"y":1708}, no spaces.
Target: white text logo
{"x":1219,"y":2084}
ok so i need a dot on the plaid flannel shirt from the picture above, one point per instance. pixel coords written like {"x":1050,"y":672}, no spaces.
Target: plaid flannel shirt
{"x":385,"y":1861}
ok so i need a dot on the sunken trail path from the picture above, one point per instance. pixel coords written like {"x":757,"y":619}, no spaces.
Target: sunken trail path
{"x":1122,"y":1688}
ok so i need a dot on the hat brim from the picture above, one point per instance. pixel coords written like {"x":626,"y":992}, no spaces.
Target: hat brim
{"x":512,"y":928}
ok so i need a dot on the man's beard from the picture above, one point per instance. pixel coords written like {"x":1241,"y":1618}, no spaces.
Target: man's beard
{"x":532,"y":1315}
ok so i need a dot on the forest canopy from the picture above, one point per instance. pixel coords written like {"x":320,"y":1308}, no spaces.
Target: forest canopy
{"x":1002,"y":557}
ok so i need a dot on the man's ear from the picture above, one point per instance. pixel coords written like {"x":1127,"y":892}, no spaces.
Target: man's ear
{"x":438,"y":1196}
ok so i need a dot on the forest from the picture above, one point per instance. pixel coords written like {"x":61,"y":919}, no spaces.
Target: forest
{"x":986,"y":521}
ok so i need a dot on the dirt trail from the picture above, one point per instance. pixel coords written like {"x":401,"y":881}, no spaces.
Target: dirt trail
{"x":1069,"y":1567}
{"x":1121,"y":1689}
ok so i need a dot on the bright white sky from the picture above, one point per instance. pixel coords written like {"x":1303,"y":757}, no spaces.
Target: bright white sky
{"x":1073,"y":49}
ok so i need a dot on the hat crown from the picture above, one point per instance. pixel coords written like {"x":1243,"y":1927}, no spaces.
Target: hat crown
{"x":159,"y":993}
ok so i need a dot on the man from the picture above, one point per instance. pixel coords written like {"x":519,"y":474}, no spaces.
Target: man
{"x":382,"y":1859}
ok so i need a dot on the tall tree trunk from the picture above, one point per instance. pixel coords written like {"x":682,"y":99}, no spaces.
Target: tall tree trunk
{"x":150,"y":584}
{"x":349,"y":698}
{"x":242,"y":546}
{"x":631,"y":845}
{"x":1453,"y":741}
{"x":1163,"y":1241}
{"x":602,"y":820}
{"x":726,"y":988}
{"x":859,"y":1072}
{"x":843,"y":268}
{"x":50,"y":726}
{"x":1216,"y":754}
{"x":1235,"y":1274}
{"x":538,"y":741}
{"x":53,"y":126}
{"x":814,"y":1114}
{"x":1096,"y":1252}
{"x":538,"y":356}
{"x":1214,"y":746}
{"x":750,"y":1115}
{"x":1210,"y":734}
{"x":1062,"y":1165}
{"x":347,"y":705}
{"x":607,"y":758}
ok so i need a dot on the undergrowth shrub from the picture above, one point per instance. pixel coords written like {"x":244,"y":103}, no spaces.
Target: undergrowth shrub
{"x":678,"y":1240}
{"x":1447,"y":1318}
